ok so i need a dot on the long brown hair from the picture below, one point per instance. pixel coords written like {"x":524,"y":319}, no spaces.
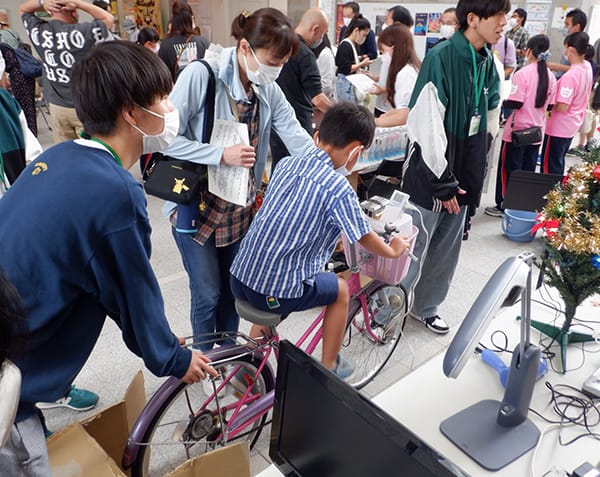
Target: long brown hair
{"x":400,"y":37}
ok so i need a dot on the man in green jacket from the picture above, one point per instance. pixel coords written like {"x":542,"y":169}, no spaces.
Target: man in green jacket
{"x":456,"y":89}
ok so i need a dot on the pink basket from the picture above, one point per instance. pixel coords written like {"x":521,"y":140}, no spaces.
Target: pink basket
{"x":388,"y":270}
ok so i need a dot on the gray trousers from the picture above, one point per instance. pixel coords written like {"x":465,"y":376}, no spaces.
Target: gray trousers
{"x":25,"y":453}
{"x":437,"y":251}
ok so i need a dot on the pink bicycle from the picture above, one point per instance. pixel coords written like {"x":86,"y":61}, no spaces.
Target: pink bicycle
{"x":182,"y":421}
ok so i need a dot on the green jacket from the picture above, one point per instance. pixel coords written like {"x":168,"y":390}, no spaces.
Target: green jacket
{"x":448,"y":70}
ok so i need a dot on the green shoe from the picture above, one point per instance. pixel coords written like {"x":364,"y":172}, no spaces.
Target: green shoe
{"x":77,"y":399}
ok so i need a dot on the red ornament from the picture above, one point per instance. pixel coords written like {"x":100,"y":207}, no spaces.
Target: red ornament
{"x":597,"y":172}
{"x":565,"y":181}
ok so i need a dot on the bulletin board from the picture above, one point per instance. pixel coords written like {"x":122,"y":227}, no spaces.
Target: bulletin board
{"x":426,"y":16}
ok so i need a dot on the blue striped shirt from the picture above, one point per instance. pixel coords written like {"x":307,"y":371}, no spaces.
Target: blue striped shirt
{"x":292,"y":237}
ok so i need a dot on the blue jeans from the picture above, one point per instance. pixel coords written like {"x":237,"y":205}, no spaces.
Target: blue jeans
{"x":344,"y":89}
{"x":212,"y":305}
{"x":438,"y":252}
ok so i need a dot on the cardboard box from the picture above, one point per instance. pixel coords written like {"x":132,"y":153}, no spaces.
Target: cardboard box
{"x":229,"y":461}
{"x":94,"y":447}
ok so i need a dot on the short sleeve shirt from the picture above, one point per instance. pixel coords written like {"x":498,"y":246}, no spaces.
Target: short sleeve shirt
{"x":405,"y":83}
{"x":306,"y":208}
{"x":573,"y":88}
{"x":59,"y":45}
{"x":523,"y":89}
{"x":300,"y":81}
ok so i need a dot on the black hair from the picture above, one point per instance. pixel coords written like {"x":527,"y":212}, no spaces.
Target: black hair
{"x":589,"y":53}
{"x":102,"y":4}
{"x":112,"y":76}
{"x":345,"y":122}
{"x":182,"y":23}
{"x":401,"y":14}
{"x":482,"y":9}
{"x":358,"y":22}
{"x":522,"y":14}
{"x":578,"y":40}
{"x":353,"y":5}
{"x":147,"y":34}
{"x":266,"y":28}
{"x":538,"y":44}
{"x":578,"y":17}
{"x":12,"y":321}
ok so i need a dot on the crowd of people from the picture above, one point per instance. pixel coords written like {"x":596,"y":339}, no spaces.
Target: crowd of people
{"x":112,"y":101}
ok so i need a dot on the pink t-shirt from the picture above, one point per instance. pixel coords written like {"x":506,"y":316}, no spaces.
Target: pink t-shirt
{"x":523,"y":89}
{"x":573,"y":88}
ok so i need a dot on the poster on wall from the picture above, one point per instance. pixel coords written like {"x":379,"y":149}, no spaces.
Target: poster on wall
{"x":558,"y":18}
{"x":144,"y":13}
{"x":420,"y":24}
{"x":433,"y":22}
{"x":536,"y":28}
{"x":538,"y":11}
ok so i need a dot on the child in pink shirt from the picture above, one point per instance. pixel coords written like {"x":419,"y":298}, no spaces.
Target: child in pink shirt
{"x":533,"y":90}
{"x":572,"y":96}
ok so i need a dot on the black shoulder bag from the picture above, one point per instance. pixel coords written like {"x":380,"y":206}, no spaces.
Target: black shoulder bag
{"x":524,"y":137}
{"x":175,"y":180}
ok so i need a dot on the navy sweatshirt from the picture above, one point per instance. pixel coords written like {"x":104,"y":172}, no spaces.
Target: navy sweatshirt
{"x":75,"y":241}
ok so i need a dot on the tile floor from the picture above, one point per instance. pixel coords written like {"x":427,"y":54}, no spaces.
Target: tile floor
{"x":111,"y":365}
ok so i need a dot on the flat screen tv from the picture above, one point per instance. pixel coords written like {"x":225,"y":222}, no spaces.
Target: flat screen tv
{"x":322,"y":427}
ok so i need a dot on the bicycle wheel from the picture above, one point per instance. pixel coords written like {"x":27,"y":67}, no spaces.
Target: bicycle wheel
{"x":188,"y":423}
{"x":373,"y":334}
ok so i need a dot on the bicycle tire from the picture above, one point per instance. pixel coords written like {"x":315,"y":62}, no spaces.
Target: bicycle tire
{"x":369,"y":355}
{"x":171,"y":455}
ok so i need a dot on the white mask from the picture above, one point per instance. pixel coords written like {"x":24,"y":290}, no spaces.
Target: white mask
{"x":565,"y":31}
{"x":342,"y":169}
{"x":346,"y":21}
{"x":162,"y":140}
{"x":386,"y":57}
{"x":384,"y":26}
{"x":265,"y":75}
{"x":446,"y":31}
{"x":512,"y":22}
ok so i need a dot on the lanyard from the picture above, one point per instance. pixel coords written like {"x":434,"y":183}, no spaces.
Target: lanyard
{"x":100,"y":141}
{"x":478,"y":79}
{"x":3,"y":179}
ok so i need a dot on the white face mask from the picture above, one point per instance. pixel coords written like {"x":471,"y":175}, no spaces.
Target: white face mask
{"x":446,"y":31}
{"x":565,"y":31}
{"x":384,"y":26}
{"x":386,"y":57}
{"x":346,"y":21}
{"x":316,"y":44}
{"x":265,"y":75}
{"x":162,"y":140}
{"x":342,"y":169}
{"x":512,"y":22}
{"x":156,"y":48}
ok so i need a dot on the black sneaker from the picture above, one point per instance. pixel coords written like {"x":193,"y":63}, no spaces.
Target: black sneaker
{"x":494,"y":211}
{"x":437,"y":325}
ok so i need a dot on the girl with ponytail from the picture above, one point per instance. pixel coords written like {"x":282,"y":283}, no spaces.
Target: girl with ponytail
{"x":532,"y":93}
{"x":572,"y":98}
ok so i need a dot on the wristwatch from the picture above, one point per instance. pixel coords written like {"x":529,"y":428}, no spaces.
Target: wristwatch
{"x":41,"y":3}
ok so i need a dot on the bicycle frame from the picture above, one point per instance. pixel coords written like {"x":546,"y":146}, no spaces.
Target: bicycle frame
{"x":249,"y":408}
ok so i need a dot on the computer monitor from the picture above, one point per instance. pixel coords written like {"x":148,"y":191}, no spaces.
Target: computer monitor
{"x":322,"y":427}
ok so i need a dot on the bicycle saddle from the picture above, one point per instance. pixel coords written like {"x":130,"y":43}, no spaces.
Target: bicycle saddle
{"x":256,"y":316}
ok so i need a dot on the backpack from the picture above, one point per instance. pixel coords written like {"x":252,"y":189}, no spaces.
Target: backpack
{"x":28,"y":64}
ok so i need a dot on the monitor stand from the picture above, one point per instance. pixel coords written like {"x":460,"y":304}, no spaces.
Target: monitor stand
{"x":476,"y":432}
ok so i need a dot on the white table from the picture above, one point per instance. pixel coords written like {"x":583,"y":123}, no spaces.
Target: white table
{"x":425,"y":397}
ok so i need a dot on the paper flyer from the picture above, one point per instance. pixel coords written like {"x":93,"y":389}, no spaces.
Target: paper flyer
{"x":227,"y":182}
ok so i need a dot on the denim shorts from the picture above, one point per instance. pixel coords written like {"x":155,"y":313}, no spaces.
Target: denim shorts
{"x":320,"y":290}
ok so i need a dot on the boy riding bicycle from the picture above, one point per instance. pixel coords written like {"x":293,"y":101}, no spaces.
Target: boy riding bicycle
{"x":309,"y":203}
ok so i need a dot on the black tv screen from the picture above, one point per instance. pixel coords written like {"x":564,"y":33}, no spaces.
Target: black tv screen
{"x":322,"y":427}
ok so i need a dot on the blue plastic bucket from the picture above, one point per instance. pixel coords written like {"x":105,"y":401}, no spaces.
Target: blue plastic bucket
{"x":517,"y":225}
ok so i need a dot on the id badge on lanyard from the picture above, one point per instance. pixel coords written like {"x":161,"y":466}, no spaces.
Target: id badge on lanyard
{"x":478,"y":81}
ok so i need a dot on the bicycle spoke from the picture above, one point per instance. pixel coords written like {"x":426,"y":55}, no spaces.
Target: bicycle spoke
{"x":373,"y":334}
